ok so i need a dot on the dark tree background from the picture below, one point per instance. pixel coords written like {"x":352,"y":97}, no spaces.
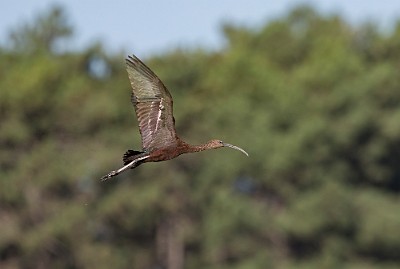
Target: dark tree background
{"x":313,"y":99}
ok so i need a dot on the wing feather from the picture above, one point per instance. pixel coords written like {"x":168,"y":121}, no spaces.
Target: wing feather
{"x":153,"y":105}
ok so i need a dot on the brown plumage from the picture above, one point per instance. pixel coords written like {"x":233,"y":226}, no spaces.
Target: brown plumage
{"x":153,"y":107}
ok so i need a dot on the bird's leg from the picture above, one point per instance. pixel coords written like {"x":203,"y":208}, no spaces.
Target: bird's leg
{"x":122,"y":169}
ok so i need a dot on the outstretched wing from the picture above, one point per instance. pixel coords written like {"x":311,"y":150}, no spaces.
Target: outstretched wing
{"x":153,"y":105}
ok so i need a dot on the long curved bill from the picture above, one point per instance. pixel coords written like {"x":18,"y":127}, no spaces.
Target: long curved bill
{"x":235,"y":147}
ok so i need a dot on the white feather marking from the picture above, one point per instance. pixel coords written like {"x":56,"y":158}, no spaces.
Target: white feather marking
{"x":160,"y":109}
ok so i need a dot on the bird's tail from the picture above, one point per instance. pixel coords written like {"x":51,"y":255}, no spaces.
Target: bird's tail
{"x":130,"y":156}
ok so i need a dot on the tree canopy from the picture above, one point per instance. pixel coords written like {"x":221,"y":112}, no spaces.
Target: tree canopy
{"x":312,"y":98}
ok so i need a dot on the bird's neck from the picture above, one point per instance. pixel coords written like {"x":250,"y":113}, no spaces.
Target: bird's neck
{"x":187,"y":148}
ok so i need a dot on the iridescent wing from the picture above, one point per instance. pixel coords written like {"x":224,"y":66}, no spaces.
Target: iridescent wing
{"x":153,"y":106}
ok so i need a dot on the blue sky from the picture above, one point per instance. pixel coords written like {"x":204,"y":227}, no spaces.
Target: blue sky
{"x":148,"y":27}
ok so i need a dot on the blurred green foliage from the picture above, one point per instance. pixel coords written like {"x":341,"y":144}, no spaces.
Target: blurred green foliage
{"x":314,"y":100}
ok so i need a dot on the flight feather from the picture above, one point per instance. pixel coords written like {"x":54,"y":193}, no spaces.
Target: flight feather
{"x":153,"y":105}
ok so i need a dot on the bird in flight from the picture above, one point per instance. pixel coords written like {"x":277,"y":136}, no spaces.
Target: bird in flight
{"x":153,"y":106}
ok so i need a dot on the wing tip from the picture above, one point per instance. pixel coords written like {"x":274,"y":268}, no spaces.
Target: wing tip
{"x":134,"y":62}
{"x":131,"y":59}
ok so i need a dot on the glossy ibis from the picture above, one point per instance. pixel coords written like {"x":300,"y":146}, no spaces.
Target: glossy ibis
{"x":153,"y":107}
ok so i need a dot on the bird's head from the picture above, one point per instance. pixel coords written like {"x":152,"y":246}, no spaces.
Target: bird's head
{"x":215,"y":143}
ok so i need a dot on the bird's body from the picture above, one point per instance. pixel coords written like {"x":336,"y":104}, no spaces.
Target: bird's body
{"x":154,"y":110}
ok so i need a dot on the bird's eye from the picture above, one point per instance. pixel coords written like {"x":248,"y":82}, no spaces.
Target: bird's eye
{"x":219,"y":141}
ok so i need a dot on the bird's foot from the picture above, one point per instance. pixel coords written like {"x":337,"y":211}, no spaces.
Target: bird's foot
{"x":109,"y":175}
